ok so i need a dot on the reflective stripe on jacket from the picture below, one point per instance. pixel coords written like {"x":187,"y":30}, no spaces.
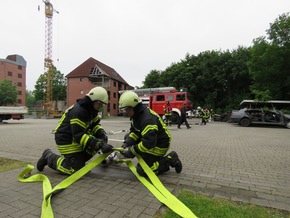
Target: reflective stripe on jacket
{"x":74,"y":132}
{"x":148,"y":132}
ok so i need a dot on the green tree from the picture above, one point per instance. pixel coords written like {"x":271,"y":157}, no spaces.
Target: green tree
{"x":262,"y":95}
{"x":8,"y":93}
{"x":269,"y":65}
{"x":279,"y":32}
{"x":39,"y":88}
{"x":214,"y":79}
{"x":238,"y":79}
{"x":222,"y":79}
{"x":58,"y":86}
{"x":152,"y":79}
{"x":30,"y":100}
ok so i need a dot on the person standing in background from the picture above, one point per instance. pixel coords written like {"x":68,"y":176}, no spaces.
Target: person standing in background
{"x":167,"y":113}
{"x":183,"y":117}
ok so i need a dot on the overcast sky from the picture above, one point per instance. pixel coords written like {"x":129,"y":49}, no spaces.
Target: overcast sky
{"x":131,"y":36}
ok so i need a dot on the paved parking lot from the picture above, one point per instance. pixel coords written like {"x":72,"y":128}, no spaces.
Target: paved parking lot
{"x":222,"y":160}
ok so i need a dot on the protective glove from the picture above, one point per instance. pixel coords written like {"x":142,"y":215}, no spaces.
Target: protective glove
{"x":101,"y":134}
{"x":125,"y":145}
{"x":105,"y":148}
{"x":105,"y":138}
{"x":127,"y":153}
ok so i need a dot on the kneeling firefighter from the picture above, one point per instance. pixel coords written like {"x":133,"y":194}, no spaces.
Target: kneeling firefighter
{"x":78,"y":135}
{"x":148,"y":136}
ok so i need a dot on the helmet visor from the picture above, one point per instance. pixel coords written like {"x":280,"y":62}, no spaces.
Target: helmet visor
{"x":102,"y":102}
{"x":127,"y":111}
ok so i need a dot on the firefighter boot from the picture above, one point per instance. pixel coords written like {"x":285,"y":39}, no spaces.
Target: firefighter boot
{"x":174,"y":161}
{"x":42,"y":162}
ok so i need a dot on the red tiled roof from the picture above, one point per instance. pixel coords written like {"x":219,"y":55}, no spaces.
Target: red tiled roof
{"x":85,"y":68}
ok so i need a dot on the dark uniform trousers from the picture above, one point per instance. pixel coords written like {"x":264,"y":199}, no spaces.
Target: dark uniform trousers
{"x":68,"y":163}
{"x":157,"y":164}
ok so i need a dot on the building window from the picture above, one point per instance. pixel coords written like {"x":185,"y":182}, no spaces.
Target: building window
{"x":19,"y":67}
{"x":114,"y":106}
{"x":19,"y":92}
{"x":9,"y":73}
{"x":114,"y":95}
{"x":19,"y":75}
{"x":81,"y":79}
{"x":109,"y":93}
{"x":19,"y":84}
{"x":19,"y":101}
{"x":114,"y":83}
{"x":108,"y":107}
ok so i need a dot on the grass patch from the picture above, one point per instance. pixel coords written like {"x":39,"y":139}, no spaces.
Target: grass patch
{"x":9,"y":164}
{"x":207,"y":207}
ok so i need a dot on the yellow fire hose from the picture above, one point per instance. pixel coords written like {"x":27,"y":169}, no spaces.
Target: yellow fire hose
{"x":155,"y":186}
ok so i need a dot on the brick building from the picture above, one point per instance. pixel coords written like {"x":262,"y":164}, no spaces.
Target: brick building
{"x":13,"y":68}
{"x":93,"y":73}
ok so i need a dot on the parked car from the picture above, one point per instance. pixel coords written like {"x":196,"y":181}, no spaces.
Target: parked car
{"x":246,"y":117}
{"x":192,"y":114}
{"x":224,"y":117}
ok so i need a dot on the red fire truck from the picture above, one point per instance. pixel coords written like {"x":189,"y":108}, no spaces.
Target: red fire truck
{"x":156,"y":99}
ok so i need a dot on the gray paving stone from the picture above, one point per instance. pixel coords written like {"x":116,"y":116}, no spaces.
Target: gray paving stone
{"x":259,"y":201}
{"x":220,"y":159}
{"x":280,"y":205}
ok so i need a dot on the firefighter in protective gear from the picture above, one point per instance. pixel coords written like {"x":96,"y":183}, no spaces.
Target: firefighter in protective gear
{"x":167,"y":113}
{"x":148,"y":136}
{"x":78,"y":135}
{"x":203,"y":114}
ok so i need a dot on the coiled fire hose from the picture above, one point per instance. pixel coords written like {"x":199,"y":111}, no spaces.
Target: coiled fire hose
{"x":155,"y":186}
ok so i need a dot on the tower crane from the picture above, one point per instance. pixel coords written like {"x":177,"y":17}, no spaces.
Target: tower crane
{"x":48,"y":63}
